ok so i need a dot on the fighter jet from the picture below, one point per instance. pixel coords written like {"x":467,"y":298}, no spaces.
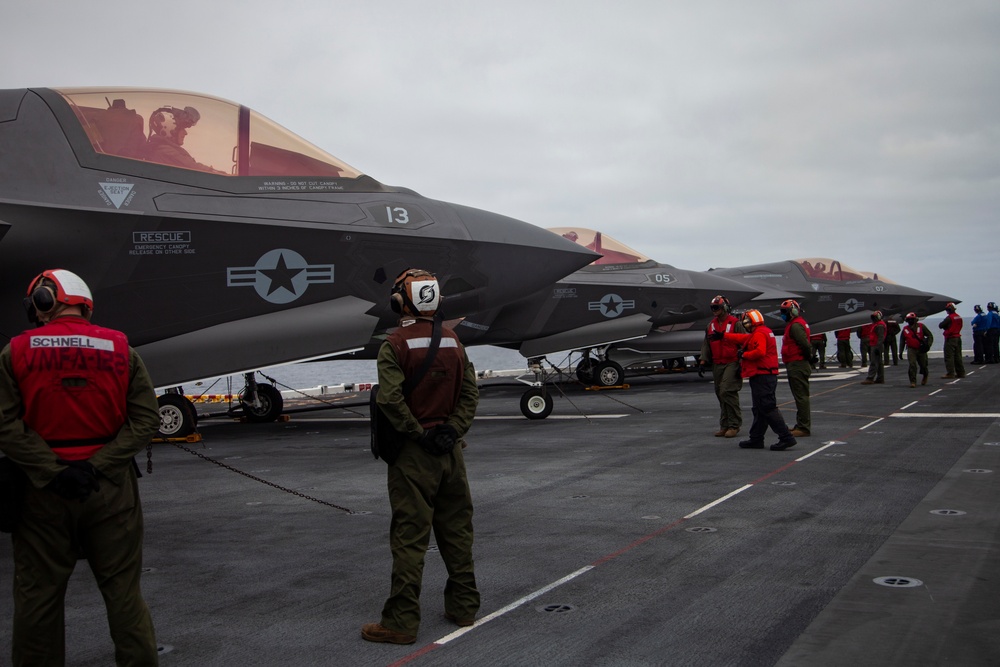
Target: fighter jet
{"x":220,"y":242}
{"x":831,"y":294}
{"x":621,"y":296}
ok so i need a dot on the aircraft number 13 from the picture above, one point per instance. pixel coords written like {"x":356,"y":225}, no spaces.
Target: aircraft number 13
{"x":398,"y":214}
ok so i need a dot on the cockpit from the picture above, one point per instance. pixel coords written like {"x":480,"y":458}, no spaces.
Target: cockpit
{"x":822,"y":268}
{"x":196,"y":132}
{"x":612,"y":251}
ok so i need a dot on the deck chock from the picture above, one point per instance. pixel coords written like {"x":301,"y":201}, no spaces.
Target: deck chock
{"x":614,"y":386}
{"x":191,"y":437}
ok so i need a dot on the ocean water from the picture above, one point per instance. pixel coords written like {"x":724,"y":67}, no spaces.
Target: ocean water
{"x":348,"y":371}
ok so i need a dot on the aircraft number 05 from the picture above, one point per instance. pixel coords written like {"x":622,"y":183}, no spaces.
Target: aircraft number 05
{"x":663,"y":278}
{"x":397,"y":214}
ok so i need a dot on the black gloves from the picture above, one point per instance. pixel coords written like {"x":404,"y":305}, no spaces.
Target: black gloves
{"x":439,"y":440}
{"x":716,"y":335}
{"x":739,"y":354}
{"x":76,"y":481}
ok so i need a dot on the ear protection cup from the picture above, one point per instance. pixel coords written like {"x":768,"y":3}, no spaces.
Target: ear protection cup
{"x":396,"y":301}
{"x":43,"y":298}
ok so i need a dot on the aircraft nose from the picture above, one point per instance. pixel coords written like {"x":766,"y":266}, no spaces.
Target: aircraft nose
{"x":511,"y":258}
{"x":935,"y":303}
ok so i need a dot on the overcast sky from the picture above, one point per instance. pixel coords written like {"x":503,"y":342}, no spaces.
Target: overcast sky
{"x":700,"y":133}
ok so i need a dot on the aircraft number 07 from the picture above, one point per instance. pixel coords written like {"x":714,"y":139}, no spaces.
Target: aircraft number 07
{"x":398,"y":214}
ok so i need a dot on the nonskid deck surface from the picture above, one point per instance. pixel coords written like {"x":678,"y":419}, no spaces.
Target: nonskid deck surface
{"x":618,"y":531}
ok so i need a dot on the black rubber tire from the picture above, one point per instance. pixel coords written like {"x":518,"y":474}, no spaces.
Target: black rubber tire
{"x":609,"y":374}
{"x":536,"y":403}
{"x":271,"y":404}
{"x":178,"y":417}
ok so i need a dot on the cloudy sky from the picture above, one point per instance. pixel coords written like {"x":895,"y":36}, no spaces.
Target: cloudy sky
{"x":700,"y":133}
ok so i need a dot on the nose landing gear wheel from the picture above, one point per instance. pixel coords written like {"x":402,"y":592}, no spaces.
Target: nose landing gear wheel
{"x":536,"y":403}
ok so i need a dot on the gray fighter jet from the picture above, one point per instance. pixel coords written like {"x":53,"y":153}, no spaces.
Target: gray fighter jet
{"x":832,"y":296}
{"x":621,"y":296}
{"x":220,"y":242}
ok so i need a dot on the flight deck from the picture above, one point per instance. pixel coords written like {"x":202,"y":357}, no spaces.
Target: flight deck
{"x":618,"y":531}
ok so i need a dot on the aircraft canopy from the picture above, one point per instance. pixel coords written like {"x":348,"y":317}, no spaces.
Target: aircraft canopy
{"x":612,"y":251}
{"x":823,"y":268}
{"x":196,"y":132}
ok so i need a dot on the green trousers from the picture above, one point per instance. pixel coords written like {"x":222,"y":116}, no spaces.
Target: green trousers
{"x":53,"y":534}
{"x":917,"y":359}
{"x":845,"y":355}
{"x":953,"y":357}
{"x":727,"y":389}
{"x":798,"y":381}
{"x":429,"y":493}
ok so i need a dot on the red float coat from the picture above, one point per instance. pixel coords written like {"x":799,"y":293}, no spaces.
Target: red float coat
{"x":873,"y":333}
{"x":954,"y":326}
{"x":790,"y":350}
{"x":843,"y":334}
{"x":914,"y":336}
{"x":73,"y":377}
{"x":760,"y":351}
{"x":434,"y":398}
{"x":723,"y":351}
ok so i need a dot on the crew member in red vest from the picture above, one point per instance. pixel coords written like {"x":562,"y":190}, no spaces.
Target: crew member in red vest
{"x":876,"y":339}
{"x":721,"y":355}
{"x":916,"y":340}
{"x":952,"y":325}
{"x":845,"y":355}
{"x":796,"y":353}
{"x":77,"y":406}
{"x":759,"y":362}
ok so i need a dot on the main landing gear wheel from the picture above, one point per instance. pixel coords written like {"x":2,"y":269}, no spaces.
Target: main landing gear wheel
{"x":536,"y":403}
{"x":178,"y":418}
{"x":271,"y":404}
{"x":608,"y":374}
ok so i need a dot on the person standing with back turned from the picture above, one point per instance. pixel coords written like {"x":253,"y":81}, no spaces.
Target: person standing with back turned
{"x":77,"y":406}
{"x":876,"y":342}
{"x":952,"y":325}
{"x":428,"y":486}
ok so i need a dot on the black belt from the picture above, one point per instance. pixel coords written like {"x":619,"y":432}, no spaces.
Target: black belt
{"x":81,"y":442}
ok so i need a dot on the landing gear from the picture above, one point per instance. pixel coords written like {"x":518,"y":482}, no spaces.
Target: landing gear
{"x":178,"y":418}
{"x":261,"y":402}
{"x":585,"y":370}
{"x":608,"y":374}
{"x":536,"y":403}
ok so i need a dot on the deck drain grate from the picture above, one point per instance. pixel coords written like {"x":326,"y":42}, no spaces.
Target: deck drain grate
{"x":898,"y":582}
{"x":977,"y":470}
{"x":557,"y":608}
{"x":701,"y":529}
{"x":947,"y":512}
{"x":783,"y":483}
{"x":834,"y":455}
{"x":577,"y":497}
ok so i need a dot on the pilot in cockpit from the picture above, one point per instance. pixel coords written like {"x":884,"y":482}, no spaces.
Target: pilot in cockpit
{"x":168,"y":126}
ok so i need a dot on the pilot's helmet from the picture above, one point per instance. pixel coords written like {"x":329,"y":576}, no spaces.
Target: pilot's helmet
{"x":720,"y":302}
{"x":789,"y":309}
{"x":752,"y":318}
{"x":978,"y":308}
{"x":950,"y":307}
{"x":165,"y":121}
{"x":415,"y":292}
{"x":49,"y":289}
{"x":877,"y":316}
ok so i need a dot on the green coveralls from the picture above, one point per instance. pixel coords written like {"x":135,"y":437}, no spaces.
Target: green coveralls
{"x":427,"y":492}
{"x":54,"y":532}
{"x":876,"y":369}
{"x":917,"y":359}
{"x":798,"y":373}
{"x":728,"y":383}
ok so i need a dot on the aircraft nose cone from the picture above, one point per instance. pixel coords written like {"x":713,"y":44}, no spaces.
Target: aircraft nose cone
{"x":513,"y":258}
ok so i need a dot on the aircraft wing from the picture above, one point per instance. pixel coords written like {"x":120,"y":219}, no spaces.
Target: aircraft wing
{"x":601,"y":333}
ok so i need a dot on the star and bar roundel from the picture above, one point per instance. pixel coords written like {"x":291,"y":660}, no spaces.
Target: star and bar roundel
{"x":279,"y":276}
